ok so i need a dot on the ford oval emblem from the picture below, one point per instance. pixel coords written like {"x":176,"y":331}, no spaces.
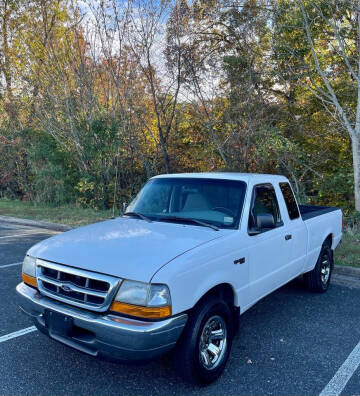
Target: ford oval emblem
{"x":66,"y":288}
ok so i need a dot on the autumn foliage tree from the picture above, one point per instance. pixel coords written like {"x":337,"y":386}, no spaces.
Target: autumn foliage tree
{"x":96,"y":97}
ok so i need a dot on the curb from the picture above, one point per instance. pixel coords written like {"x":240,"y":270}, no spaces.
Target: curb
{"x":348,"y":271}
{"x":34,"y":223}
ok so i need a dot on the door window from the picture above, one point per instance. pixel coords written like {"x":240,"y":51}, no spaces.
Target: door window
{"x":264,"y":202}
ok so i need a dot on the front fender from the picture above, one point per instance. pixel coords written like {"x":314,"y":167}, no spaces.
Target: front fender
{"x":193,"y":274}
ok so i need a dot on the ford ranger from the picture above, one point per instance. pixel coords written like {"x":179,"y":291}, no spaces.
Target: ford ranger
{"x":191,"y":254}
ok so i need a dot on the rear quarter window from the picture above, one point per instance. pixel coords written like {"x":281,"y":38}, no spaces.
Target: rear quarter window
{"x":289,"y":201}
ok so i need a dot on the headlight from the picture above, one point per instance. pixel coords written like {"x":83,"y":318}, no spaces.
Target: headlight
{"x":159,"y":296}
{"x":133,"y":292}
{"x":29,"y":267}
{"x":29,"y":271}
{"x":143,"y":300}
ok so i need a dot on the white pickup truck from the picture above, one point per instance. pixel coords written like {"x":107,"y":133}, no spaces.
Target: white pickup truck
{"x":190,"y":255}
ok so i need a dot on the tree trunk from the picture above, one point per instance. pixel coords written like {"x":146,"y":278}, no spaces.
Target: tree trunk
{"x":166,"y":159}
{"x":164,"y":152}
{"x":355,"y":142}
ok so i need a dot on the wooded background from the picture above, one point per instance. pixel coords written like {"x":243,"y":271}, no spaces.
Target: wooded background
{"x":96,"y":96}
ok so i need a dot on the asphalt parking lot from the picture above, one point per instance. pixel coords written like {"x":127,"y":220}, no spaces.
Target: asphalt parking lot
{"x":291,"y":343}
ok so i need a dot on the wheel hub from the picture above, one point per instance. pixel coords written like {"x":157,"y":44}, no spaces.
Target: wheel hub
{"x":213,"y":342}
{"x":325,"y":270}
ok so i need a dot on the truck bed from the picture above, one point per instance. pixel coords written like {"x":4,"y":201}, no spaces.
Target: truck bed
{"x":309,"y":211}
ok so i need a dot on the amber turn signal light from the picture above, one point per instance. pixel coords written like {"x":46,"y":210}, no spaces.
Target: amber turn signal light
{"x":29,"y":280}
{"x":142,"y":312}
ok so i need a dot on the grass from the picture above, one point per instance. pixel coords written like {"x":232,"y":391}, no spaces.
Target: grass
{"x":348,"y":253}
{"x":67,"y":214}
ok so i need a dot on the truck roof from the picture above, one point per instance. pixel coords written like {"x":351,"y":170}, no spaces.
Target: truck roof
{"x":261,"y":178}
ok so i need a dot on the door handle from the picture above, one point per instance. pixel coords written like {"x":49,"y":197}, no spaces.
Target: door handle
{"x":240,"y":261}
{"x":288,"y":236}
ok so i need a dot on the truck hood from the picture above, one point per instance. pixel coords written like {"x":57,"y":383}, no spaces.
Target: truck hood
{"x":123,"y":247}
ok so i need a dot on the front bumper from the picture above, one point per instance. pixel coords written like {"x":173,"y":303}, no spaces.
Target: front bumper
{"x":103,"y":335}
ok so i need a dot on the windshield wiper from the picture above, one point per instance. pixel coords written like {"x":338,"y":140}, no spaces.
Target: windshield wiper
{"x":141,"y":216}
{"x":189,"y":220}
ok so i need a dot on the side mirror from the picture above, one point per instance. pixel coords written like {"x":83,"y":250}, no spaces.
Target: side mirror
{"x":254,"y":231}
{"x":124,"y":206}
{"x":264,"y":221}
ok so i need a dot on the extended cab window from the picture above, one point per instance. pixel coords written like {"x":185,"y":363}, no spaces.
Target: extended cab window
{"x":264,"y":204}
{"x":289,"y":200}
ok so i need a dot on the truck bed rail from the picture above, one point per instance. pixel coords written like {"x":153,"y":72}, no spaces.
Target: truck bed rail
{"x":309,"y":211}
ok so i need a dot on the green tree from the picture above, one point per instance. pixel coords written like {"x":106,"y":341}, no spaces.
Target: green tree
{"x":318,"y":45}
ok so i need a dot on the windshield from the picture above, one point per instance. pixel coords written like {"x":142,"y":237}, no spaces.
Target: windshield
{"x":214,"y":201}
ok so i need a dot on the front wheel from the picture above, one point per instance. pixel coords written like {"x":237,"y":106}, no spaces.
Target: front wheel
{"x":318,"y":280}
{"x":203,"y":350}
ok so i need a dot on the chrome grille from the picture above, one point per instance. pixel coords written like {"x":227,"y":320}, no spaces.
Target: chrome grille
{"x":74,"y":286}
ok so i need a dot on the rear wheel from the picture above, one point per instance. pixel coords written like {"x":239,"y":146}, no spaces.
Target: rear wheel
{"x":318,"y":280}
{"x":203,"y":350}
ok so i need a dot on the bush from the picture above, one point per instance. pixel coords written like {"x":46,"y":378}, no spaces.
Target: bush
{"x":352,"y":223}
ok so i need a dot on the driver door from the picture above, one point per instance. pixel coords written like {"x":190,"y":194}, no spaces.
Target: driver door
{"x":267,"y":248}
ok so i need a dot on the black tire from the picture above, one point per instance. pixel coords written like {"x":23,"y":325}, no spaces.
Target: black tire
{"x":316,"y":280}
{"x":186,"y":355}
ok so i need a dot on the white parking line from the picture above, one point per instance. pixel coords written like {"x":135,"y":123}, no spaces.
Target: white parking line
{"x":17,"y":334}
{"x":342,"y":376}
{"x":10,"y":265}
{"x":27,"y":233}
